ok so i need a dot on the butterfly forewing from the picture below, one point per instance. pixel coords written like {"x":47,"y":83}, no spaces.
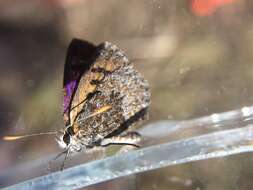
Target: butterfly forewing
{"x":77,"y":63}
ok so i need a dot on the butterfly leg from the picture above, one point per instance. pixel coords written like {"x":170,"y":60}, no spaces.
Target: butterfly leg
{"x":129,"y":138}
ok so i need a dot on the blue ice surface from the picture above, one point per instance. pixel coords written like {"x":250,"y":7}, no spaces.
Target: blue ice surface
{"x":227,"y":134}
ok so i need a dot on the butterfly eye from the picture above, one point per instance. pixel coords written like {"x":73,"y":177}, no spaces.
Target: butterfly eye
{"x":70,"y":131}
{"x":66,"y":138}
{"x":67,"y":134}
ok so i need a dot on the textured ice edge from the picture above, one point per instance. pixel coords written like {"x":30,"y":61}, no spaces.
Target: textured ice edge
{"x":212,"y":145}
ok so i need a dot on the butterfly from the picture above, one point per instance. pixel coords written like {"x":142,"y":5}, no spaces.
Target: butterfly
{"x":104,"y":97}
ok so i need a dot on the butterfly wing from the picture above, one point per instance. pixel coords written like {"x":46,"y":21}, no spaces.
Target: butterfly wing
{"x":77,"y":63}
{"x":111,"y":80}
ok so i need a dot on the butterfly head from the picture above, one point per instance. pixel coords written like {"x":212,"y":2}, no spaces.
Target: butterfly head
{"x":68,"y":139}
{"x":64,"y":137}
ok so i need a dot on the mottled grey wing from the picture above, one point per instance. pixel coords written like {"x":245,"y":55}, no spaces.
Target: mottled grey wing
{"x":105,"y":123}
{"x":115,"y":83}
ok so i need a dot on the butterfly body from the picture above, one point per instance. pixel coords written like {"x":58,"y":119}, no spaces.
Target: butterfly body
{"x":104,"y":96}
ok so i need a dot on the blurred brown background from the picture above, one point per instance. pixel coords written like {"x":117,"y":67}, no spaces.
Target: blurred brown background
{"x":196,"y":54}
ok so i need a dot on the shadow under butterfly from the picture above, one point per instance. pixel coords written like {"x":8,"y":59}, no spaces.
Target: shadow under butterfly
{"x":104,"y":97}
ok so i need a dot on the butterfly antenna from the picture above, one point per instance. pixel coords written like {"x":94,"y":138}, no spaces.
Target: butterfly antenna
{"x":60,"y":154}
{"x":16,"y":137}
{"x":65,"y":158}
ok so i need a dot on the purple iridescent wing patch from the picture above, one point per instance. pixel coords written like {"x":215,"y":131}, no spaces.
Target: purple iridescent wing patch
{"x":69,"y":90}
{"x":77,"y":63}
